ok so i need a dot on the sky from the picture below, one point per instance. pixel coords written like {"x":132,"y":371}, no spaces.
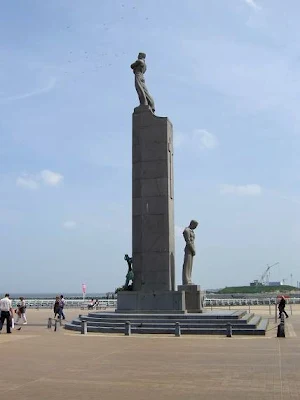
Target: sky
{"x":225,"y":72}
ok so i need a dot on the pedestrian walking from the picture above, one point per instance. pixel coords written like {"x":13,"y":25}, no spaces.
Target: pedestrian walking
{"x":6,"y":313}
{"x":56,"y":307}
{"x":281,"y":307}
{"x":21,"y":311}
{"x":61,"y":307}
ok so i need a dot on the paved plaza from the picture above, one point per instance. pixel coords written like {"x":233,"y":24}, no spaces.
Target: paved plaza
{"x":39,"y":364}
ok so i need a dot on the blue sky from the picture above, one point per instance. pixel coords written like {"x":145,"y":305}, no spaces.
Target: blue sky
{"x":225,"y":72}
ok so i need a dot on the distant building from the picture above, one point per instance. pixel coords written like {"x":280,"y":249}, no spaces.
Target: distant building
{"x":255,"y":283}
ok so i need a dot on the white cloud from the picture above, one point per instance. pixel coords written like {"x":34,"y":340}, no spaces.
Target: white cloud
{"x":252,"y":4}
{"x":179,"y":139}
{"x":27,"y":182}
{"x":178,"y":231}
{"x":51,"y":84}
{"x":46,"y":177}
{"x":51,"y":178}
{"x":205,"y":139}
{"x":69,"y":225}
{"x":243,"y":190}
{"x":197,"y":139}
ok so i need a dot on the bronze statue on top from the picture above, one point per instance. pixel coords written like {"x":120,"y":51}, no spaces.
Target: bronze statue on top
{"x":139,"y":68}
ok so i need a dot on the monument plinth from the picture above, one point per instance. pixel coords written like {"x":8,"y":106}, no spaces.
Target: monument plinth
{"x":194,"y":298}
{"x":153,"y":243}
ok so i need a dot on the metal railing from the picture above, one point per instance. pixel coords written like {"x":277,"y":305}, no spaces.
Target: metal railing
{"x":49,"y":303}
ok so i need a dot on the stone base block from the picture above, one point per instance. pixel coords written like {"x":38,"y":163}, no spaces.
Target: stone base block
{"x":166,"y":302}
{"x":194,"y":298}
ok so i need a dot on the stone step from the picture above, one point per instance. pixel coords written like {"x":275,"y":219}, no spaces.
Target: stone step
{"x":171,"y":330}
{"x":166,"y":325}
{"x":226,"y":314}
{"x":134,"y":320}
{"x":206,"y":323}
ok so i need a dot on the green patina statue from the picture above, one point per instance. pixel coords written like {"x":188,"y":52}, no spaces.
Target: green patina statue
{"x":130,"y":274}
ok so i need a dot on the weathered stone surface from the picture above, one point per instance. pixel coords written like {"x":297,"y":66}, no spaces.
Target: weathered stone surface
{"x":158,"y":302}
{"x":194,"y":298}
{"x":152,"y":206}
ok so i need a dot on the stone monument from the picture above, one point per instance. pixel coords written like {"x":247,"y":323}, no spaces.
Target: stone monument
{"x":153,"y":243}
{"x":193,"y":295}
{"x":189,"y":252}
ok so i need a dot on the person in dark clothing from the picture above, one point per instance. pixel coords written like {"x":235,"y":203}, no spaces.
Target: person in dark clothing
{"x":6,"y":313}
{"x":281,"y":307}
{"x":56,"y":307}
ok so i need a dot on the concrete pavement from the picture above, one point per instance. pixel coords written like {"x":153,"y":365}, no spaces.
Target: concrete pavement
{"x":37,"y":363}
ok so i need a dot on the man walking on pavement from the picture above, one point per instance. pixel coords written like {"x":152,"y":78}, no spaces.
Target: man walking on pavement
{"x":61,"y":307}
{"x":281,"y":307}
{"x":6,"y":313}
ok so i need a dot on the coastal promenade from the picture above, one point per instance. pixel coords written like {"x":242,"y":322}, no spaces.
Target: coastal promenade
{"x":43,"y":364}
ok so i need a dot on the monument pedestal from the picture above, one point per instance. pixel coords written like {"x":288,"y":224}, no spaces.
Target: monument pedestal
{"x":153,"y":243}
{"x":194,"y":298}
{"x":166,"y":302}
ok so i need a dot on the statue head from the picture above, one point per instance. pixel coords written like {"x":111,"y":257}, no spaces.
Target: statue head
{"x":142,"y":56}
{"x":193,"y":224}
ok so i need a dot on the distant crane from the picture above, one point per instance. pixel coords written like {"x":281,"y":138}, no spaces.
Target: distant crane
{"x":264,"y":279}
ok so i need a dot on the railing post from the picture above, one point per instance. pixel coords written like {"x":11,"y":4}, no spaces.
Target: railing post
{"x":127,"y":328}
{"x":83,"y":330}
{"x":280,"y":327}
{"x":269,"y":306}
{"x":229,"y":330}
{"x":56,"y":326}
{"x":177,"y":329}
{"x":49,"y":326}
{"x":275,"y":312}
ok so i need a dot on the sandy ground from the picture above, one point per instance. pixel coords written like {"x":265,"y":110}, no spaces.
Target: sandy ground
{"x":38,"y":363}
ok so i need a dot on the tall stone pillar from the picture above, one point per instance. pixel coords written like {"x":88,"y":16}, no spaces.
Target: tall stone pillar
{"x":152,"y":202}
{"x":153,"y":243}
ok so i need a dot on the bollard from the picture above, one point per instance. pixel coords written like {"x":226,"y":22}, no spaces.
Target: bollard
{"x":291,"y":309}
{"x":249,"y":308}
{"x":127,"y":328}
{"x":177,"y":329}
{"x":49,"y":326}
{"x":269,"y":307}
{"x":83,"y":327}
{"x":229,"y":330}
{"x":56,"y":325}
{"x":275,"y":313}
{"x":280,"y":327}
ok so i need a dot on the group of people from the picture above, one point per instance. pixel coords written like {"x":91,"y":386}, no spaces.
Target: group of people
{"x":59,"y":306}
{"x":12,"y":317}
{"x":7,"y":312}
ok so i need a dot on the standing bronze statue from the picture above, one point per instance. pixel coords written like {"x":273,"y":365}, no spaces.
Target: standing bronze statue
{"x":189,"y":252}
{"x":130,"y":274}
{"x":139,"y":68}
